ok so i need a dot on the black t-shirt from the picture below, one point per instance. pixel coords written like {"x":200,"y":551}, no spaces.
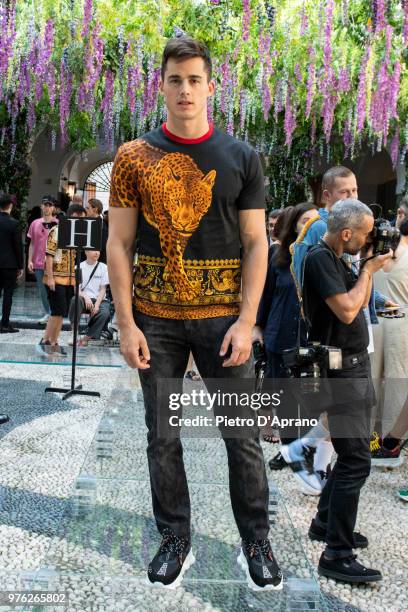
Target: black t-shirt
{"x":326,"y":275}
{"x":189,"y":194}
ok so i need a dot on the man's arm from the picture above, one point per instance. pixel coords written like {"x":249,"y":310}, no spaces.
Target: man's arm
{"x":49,"y":271}
{"x":30,"y":257}
{"x":120,"y":252}
{"x":254,"y":266}
{"x":346,"y":306}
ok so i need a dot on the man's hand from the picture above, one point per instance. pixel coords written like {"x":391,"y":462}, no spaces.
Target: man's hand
{"x":94,"y":309}
{"x":257,"y":335}
{"x":88,"y":303}
{"x":51,"y":282}
{"x":30,"y":266}
{"x":133,"y":347}
{"x":239,"y":336}
{"x":378,"y":262}
{"x":20,"y":274}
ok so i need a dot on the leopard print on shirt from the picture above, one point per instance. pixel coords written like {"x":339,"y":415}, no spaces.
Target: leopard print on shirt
{"x":173,"y":195}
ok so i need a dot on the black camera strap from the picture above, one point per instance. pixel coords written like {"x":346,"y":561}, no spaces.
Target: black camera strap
{"x":304,"y":298}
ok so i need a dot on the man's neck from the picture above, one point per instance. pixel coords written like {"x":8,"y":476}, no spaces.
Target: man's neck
{"x":334,"y":243}
{"x":47,"y":218}
{"x":188,"y":129}
{"x":6,"y":211}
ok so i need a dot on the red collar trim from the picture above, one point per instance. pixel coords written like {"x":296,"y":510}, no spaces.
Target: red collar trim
{"x":172,"y":136}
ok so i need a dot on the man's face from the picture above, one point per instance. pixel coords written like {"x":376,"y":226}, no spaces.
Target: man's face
{"x":343,"y":188}
{"x":47,"y":209}
{"x":271,"y":224}
{"x":355,"y":239}
{"x":91,"y":211}
{"x":93,"y":255}
{"x":402,"y":213}
{"x":186,"y":88}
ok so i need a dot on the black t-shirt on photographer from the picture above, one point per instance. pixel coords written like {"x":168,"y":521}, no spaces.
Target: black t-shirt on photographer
{"x":326,"y":275}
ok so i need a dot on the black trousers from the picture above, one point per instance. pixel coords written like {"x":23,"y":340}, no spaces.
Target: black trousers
{"x":170,"y":342}
{"x":349,"y":424}
{"x":8,"y":277}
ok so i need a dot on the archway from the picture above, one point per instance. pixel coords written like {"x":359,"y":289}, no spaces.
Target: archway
{"x":97,"y":184}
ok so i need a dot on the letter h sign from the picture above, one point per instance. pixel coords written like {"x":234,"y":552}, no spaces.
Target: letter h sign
{"x":79,"y":233}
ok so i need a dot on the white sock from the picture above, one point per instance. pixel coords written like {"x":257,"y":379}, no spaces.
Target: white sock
{"x":315,"y":435}
{"x":323,"y":455}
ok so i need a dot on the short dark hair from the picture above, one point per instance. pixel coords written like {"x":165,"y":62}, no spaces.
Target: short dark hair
{"x":330,"y":176}
{"x":75,"y":209}
{"x":274,"y":213}
{"x":5,"y":200}
{"x":97,"y":204}
{"x":183,"y":48}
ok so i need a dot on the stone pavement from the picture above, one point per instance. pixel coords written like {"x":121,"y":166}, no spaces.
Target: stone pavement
{"x":43,"y":449}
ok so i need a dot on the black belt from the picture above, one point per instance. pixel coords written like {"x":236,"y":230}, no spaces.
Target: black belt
{"x":351,"y":360}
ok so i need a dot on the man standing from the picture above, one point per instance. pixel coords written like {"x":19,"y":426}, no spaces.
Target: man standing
{"x":59,"y":277}
{"x":334,"y":300}
{"x":38,"y":234}
{"x":196,"y":196}
{"x":11,"y":259}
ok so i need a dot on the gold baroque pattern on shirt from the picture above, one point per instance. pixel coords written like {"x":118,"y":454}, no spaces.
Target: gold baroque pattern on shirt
{"x":215,"y":281}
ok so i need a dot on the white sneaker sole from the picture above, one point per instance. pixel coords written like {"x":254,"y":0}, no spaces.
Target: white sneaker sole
{"x":243,"y":564}
{"x":388,"y":463}
{"x":304,"y":487}
{"x":188,"y":562}
{"x":403,"y":497}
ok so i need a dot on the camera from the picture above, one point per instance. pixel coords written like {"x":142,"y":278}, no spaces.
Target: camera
{"x":312,"y":361}
{"x":384,"y":237}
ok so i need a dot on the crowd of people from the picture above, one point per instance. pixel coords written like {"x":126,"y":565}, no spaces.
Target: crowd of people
{"x":291,"y":233}
{"x":54,"y":271}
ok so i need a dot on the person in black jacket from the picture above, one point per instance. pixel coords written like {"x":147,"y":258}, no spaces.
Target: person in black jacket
{"x":11,"y":259}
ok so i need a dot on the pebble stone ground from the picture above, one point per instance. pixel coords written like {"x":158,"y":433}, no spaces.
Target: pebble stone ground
{"x":42,"y":451}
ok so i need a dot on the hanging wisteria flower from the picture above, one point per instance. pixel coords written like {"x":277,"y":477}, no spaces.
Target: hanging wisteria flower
{"x":311,"y":83}
{"x":246,"y":19}
{"x":394,"y":151}
{"x":87,"y":18}
{"x":290,"y":121}
{"x":405,"y":26}
{"x":361,"y":91}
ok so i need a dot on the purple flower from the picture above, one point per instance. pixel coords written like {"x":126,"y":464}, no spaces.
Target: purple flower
{"x":304,"y":21}
{"x":405,"y":26}
{"x":395,"y":147}
{"x":87,"y":18}
{"x":290,"y":121}
{"x":246,"y":19}
{"x":311,"y":82}
{"x":361,"y":91}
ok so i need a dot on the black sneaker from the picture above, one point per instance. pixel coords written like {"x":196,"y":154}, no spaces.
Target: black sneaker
{"x":171,"y":561}
{"x":318,"y":534}
{"x":8,"y":329}
{"x":277,"y":462}
{"x":43,"y":347}
{"x":347,"y":570}
{"x":261,"y":569}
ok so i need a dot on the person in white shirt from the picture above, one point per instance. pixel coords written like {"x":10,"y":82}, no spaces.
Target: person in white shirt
{"x":92,"y":293}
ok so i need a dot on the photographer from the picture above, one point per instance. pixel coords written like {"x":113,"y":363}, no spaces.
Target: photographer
{"x":334,"y":300}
